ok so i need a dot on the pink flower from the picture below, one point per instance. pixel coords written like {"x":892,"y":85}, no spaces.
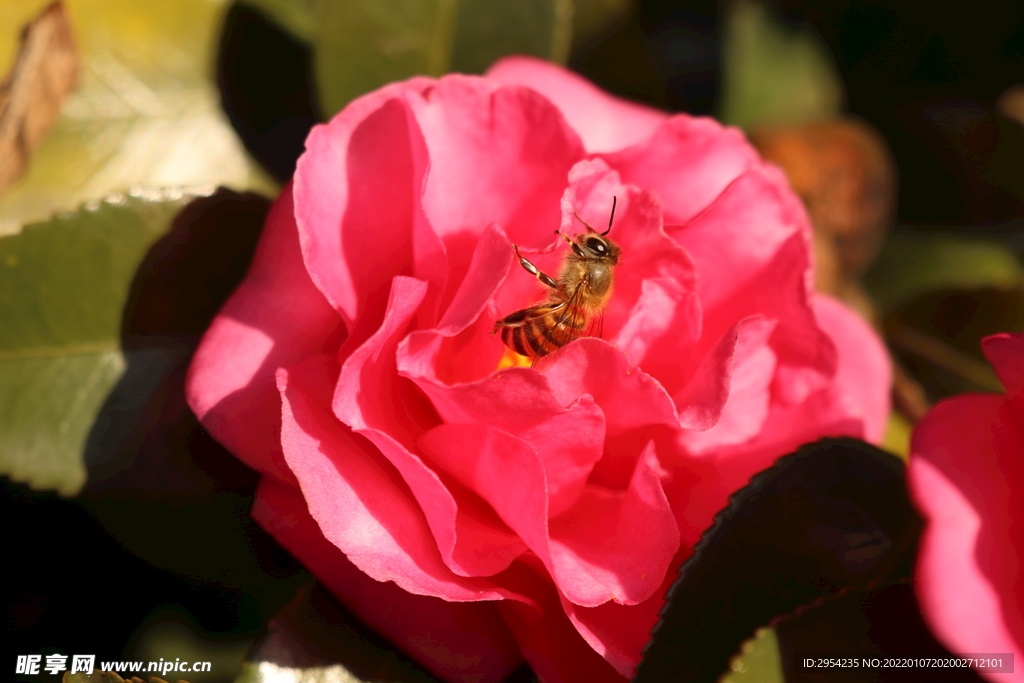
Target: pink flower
{"x":966,"y":476}
{"x":477,"y":513}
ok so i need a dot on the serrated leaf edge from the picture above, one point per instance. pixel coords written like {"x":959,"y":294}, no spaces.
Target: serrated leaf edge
{"x":735,"y":499}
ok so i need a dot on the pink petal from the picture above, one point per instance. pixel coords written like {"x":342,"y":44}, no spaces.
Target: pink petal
{"x":806,"y":355}
{"x":740,"y":232}
{"x":457,"y":641}
{"x":648,"y":253}
{"x":356,"y":189}
{"x":695,"y":489}
{"x":461,"y":348}
{"x":605,"y":122}
{"x":370,"y":394}
{"x":502,"y":469}
{"x":688,"y":162}
{"x":699,"y":485}
{"x":729,"y":396}
{"x":661,"y":331}
{"x":753,"y":249}
{"x":569,"y":439}
{"x":550,"y":642}
{"x":358,"y":498}
{"x":617,"y":632}
{"x":616,"y":545}
{"x":964,"y":474}
{"x":496,"y":155}
{"x":569,"y":443}
{"x":488,"y":268}
{"x":863,"y":380}
{"x":376,"y":402}
{"x":608,"y":546}
{"x":630,"y":399}
{"x":275,"y":318}
{"x":1006,"y":354}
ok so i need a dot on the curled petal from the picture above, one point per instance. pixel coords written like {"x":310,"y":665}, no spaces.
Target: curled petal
{"x":568,"y":439}
{"x":608,"y":546}
{"x":466,"y":642}
{"x":376,"y":402}
{"x":604,"y":122}
{"x":275,"y":318}
{"x":964,"y":464}
{"x":728,"y":397}
{"x":1006,"y":354}
{"x":497,"y":155}
{"x":864,"y":373}
{"x":358,"y":497}
{"x":356,"y":191}
{"x":616,"y":545}
{"x":741,"y":231}
{"x":629,"y":398}
{"x":662,"y":330}
{"x":619,"y":632}
{"x":714,"y":157}
{"x":549,"y":640}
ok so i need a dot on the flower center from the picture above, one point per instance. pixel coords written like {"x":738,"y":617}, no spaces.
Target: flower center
{"x":511,"y":359}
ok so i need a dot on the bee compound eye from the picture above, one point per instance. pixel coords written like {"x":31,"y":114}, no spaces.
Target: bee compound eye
{"x":595,"y":245}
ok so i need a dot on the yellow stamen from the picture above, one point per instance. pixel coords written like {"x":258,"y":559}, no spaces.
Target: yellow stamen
{"x":511,"y":359}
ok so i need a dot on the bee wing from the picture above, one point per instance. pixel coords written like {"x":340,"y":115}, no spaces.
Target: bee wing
{"x":573,"y":316}
{"x":570,"y":321}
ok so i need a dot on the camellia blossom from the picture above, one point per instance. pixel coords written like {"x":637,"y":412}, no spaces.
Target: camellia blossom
{"x":966,"y":476}
{"x":476,"y":510}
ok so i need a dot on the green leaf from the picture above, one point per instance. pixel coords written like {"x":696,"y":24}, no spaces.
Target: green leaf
{"x":145,"y":112}
{"x":592,"y":17}
{"x":897,"y":435}
{"x":758,"y":660}
{"x":833,"y":514}
{"x":856,"y":630}
{"x":912,"y":263}
{"x":773,"y":73}
{"x":486,"y":31}
{"x":860,"y":626}
{"x":298,"y":17}
{"x":63,"y":286}
{"x":364,"y":44}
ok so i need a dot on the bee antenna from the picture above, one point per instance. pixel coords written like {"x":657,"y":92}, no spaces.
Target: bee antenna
{"x":611,"y":218}
{"x":582,"y":221}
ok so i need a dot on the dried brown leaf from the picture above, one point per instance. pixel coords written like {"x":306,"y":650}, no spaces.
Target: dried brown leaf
{"x":32,"y":92}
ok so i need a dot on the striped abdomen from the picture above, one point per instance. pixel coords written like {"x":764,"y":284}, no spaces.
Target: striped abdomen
{"x":539,"y":330}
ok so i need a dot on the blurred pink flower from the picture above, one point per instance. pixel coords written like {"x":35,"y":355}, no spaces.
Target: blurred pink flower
{"x":966,"y":476}
{"x":477,"y":513}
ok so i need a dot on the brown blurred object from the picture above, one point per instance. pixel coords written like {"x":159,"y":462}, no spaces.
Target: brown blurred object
{"x":32,"y":92}
{"x":1011,"y":103}
{"x":843,"y":171}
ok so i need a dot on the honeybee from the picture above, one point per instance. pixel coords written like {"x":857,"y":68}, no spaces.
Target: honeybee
{"x":576,"y":301}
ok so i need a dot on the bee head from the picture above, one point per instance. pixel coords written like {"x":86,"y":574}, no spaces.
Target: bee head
{"x":594,"y":246}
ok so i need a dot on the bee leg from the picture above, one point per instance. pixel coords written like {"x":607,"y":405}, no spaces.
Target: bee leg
{"x":568,"y":240}
{"x":534,"y":271}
